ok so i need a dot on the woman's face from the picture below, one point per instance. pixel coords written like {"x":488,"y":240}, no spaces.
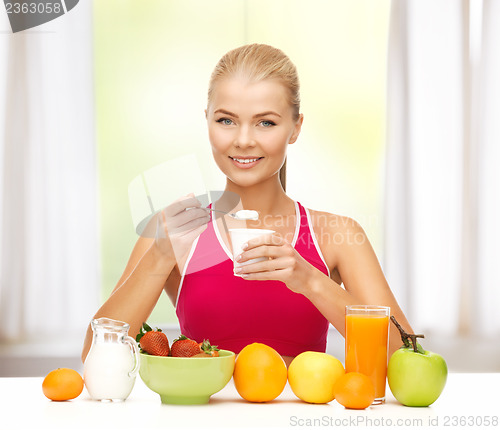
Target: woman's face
{"x":250,"y":125}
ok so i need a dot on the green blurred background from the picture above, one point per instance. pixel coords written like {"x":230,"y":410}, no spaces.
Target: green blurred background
{"x":153,"y":62}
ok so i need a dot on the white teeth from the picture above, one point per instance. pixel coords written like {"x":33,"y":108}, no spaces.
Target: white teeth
{"x":245,"y":161}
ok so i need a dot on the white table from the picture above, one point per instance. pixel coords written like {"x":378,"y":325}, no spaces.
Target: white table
{"x":467,"y":397}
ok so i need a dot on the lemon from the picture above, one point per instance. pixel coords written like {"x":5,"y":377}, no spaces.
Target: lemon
{"x":312,"y":375}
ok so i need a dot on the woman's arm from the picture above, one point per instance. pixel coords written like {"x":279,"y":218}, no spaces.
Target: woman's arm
{"x":361,"y":275}
{"x":356,"y":263}
{"x":168,"y":239}
{"x":138,"y":290}
{"x":331,"y":299}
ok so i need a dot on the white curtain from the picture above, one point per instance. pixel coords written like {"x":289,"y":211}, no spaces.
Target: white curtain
{"x":442,"y":206}
{"x":48,"y":189}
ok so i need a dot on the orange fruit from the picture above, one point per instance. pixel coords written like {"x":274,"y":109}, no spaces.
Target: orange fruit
{"x":259,"y":373}
{"x":354,"y":391}
{"x":62,"y":384}
{"x":312,"y":376}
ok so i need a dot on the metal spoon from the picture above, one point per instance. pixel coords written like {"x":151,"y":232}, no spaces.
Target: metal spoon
{"x":242,"y":215}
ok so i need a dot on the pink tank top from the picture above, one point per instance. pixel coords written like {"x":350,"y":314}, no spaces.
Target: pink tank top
{"x":233,"y":312}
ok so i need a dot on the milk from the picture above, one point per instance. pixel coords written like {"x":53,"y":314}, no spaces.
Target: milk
{"x":106,"y":371}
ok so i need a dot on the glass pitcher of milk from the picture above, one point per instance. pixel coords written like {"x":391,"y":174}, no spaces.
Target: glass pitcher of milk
{"x":113,"y":361}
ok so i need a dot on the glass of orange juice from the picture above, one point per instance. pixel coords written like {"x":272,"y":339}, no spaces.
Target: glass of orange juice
{"x":366,"y":344}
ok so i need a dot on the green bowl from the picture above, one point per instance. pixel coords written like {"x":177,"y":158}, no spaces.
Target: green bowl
{"x":187,"y":381}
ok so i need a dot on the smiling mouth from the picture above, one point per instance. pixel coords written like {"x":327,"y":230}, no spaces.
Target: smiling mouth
{"x":245,"y":160}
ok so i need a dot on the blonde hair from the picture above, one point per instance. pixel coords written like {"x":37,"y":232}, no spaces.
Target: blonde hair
{"x":257,"y":62}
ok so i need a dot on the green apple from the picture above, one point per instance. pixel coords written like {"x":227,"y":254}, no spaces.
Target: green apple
{"x":416,"y":377}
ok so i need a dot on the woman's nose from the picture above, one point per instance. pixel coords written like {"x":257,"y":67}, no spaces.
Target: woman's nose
{"x":244,"y":138}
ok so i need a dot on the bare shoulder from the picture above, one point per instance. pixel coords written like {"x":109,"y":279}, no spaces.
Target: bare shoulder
{"x":333,"y":232}
{"x":329,"y":226}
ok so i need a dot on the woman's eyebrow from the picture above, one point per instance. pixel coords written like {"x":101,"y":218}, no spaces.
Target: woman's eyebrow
{"x":270,"y":112}
{"x":259,"y":115}
{"x":226,"y":112}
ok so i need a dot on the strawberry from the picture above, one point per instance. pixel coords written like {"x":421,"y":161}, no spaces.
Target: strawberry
{"x":209,"y":350}
{"x":153,"y":342}
{"x":184,"y":347}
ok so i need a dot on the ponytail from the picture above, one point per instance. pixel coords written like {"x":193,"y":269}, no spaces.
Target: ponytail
{"x":282,"y":174}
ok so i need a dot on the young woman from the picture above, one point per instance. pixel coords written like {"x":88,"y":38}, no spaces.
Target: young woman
{"x":286,"y":301}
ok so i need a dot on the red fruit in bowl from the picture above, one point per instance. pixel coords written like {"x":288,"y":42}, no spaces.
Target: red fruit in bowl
{"x":184,"y":347}
{"x":153,"y":342}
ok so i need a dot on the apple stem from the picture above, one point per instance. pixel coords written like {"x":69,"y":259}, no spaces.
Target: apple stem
{"x":407,"y":337}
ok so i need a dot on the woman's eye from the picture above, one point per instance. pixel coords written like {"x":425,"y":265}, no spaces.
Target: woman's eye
{"x":267,"y":123}
{"x":225,"y":121}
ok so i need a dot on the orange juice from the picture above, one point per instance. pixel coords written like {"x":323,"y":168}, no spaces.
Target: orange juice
{"x":366,"y":348}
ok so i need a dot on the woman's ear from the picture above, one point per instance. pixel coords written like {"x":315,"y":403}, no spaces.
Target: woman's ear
{"x":206,"y":115}
{"x":296,"y":131}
